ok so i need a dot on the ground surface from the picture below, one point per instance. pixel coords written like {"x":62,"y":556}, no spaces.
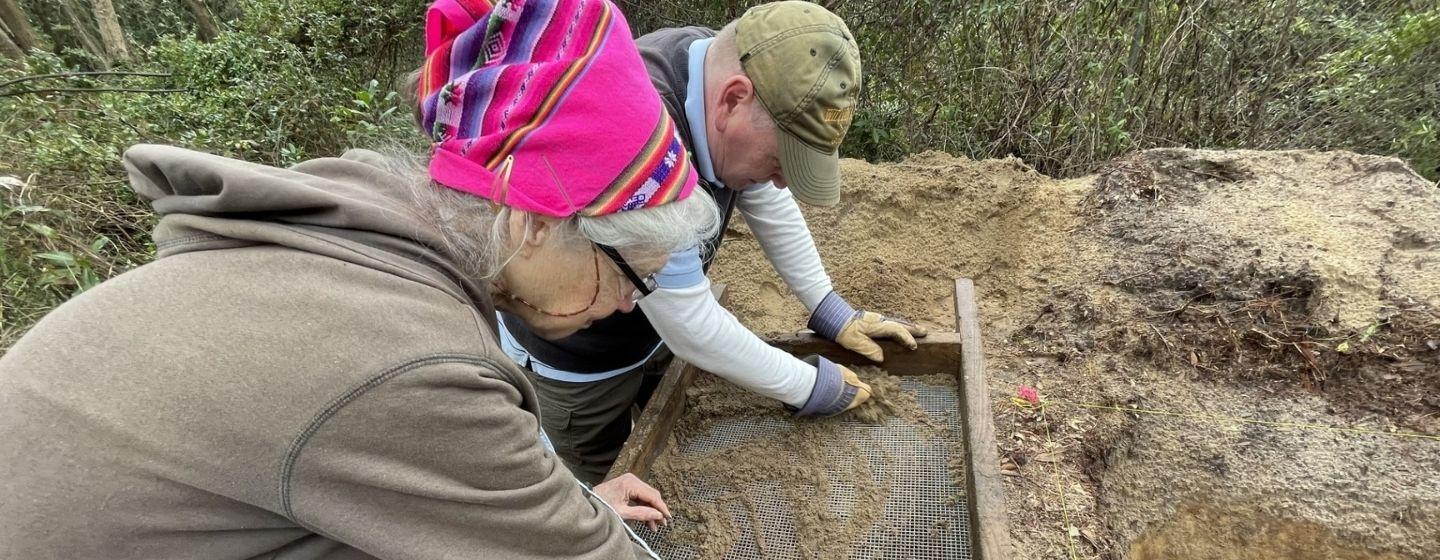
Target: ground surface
{"x":1284,"y":288}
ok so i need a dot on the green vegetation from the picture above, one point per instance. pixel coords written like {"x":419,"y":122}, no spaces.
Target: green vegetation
{"x":1064,"y":85}
{"x":1070,"y":85}
{"x":285,"y":81}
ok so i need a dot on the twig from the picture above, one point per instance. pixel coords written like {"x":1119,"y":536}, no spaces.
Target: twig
{"x":99,"y":259}
{"x":1162,"y":337}
{"x":81,"y":74}
{"x":1266,"y":335}
{"x":88,"y":184}
{"x":1310,"y":360}
{"x":1183,"y":307}
{"x":89,"y":90}
{"x":1132,"y":276}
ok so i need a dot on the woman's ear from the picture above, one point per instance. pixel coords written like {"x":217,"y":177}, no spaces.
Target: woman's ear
{"x":736,"y":93}
{"x":529,"y":231}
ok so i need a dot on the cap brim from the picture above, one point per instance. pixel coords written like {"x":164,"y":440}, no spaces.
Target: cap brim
{"x":813,"y":175}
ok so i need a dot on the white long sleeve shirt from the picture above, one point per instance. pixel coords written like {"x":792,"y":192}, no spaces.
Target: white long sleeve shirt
{"x":698,"y":330}
{"x":695,"y":327}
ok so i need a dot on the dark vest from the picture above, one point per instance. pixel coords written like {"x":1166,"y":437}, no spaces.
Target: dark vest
{"x":626,"y":338}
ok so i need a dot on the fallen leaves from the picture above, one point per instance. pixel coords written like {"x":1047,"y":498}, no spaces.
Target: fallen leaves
{"x":1050,"y":457}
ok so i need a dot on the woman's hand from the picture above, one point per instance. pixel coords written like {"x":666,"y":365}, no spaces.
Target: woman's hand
{"x":634,"y":500}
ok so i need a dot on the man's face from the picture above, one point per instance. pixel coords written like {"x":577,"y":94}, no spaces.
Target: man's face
{"x":745,"y":149}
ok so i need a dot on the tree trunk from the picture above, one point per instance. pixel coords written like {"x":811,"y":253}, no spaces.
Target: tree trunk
{"x":79,"y":20}
{"x":205,"y":26}
{"x":110,"y":32}
{"x":20,"y":31}
{"x":225,"y":10}
{"x":8,"y":48}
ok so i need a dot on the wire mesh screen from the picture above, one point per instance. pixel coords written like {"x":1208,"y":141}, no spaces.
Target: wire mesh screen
{"x":926,"y":513}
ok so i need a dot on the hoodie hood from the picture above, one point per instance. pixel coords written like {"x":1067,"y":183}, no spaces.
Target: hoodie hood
{"x":349,"y":208}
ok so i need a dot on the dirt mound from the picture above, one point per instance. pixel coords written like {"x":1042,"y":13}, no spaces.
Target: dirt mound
{"x":1193,"y":487}
{"x":1239,"y":294}
{"x":1322,"y":268}
{"x":903,"y":232}
{"x":1363,"y":227}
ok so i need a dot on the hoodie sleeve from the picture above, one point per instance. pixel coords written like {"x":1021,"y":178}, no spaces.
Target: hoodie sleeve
{"x":438,"y":460}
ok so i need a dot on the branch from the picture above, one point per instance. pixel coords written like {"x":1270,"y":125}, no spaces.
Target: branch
{"x":89,"y":90}
{"x":78,"y":74}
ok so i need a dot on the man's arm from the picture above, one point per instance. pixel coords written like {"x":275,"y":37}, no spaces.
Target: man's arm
{"x":779,"y":226}
{"x":698,"y":330}
{"x":440,"y":461}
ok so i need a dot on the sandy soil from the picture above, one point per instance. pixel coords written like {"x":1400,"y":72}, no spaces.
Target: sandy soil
{"x":809,"y":462}
{"x":1285,"y":288}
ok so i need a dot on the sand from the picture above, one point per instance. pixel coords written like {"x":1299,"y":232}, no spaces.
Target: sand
{"x":1297,"y":287}
{"x":806,"y":460}
{"x":904,"y":231}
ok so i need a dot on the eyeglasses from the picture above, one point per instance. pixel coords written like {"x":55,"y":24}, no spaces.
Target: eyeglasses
{"x":643,"y":286}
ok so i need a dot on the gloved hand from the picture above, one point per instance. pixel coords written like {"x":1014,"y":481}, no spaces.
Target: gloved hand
{"x":857,"y":330}
{"x":836,"y":390}
{"x":862,"y":389}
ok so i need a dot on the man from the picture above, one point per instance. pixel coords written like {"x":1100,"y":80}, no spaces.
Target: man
{"x":763,"y":105}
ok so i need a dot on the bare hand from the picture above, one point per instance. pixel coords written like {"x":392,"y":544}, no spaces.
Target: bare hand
{"x":634,"y":500}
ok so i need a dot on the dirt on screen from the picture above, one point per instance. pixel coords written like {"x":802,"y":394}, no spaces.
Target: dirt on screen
{"x":1239,"y":351}
{"x":806,"y":460}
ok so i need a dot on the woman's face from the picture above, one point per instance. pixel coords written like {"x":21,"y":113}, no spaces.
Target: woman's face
{"x":559,"y":286}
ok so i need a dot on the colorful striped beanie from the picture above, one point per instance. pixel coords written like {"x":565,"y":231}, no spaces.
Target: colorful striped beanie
{"x":545,"y":106}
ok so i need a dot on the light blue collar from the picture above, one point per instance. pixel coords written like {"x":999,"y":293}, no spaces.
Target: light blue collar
{"x":695,"y":109}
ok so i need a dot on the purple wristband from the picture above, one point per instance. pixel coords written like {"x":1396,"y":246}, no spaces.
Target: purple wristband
{"x":832,"y":315}
{"x":831,"y":393}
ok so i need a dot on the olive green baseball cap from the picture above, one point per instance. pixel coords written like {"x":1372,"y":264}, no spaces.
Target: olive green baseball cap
{"x":805,"y":66}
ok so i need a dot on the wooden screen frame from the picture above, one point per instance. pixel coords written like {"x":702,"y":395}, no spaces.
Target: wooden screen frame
{"x":960,"y":352}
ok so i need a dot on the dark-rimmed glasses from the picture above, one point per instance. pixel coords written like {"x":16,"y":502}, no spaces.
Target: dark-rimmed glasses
{"x":643,"y":286}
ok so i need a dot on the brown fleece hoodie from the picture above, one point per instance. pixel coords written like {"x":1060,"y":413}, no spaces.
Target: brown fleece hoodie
{"x":302,"y":374}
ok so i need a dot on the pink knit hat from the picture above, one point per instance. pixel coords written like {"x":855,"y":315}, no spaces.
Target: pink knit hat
{"x":545,"y":106}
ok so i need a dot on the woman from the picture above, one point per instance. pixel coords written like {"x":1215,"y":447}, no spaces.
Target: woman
{"x":310,"y":368}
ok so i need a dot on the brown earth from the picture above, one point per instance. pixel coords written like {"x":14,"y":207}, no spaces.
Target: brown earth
{"x":805,"y":460}
{"x":1291,"y":289}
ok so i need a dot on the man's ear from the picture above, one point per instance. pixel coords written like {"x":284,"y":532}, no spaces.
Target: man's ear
{"x":736,"y":92}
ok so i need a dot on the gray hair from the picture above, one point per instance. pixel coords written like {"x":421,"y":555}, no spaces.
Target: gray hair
{"x":475,"y":234}
{"x":726,"y":53}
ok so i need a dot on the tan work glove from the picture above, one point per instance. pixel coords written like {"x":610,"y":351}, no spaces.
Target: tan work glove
{"x":862,"y":389}
{"x":836,"y":390}
{"x":857,"y":330}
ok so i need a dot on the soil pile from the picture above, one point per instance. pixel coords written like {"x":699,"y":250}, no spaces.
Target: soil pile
{"x":1281,"y":287}
{"x":1361,"y":228}
{"x":1318,"y":267}
{"x":903,"y":232}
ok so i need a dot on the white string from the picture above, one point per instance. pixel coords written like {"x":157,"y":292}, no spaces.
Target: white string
{"x":622,"y":521}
